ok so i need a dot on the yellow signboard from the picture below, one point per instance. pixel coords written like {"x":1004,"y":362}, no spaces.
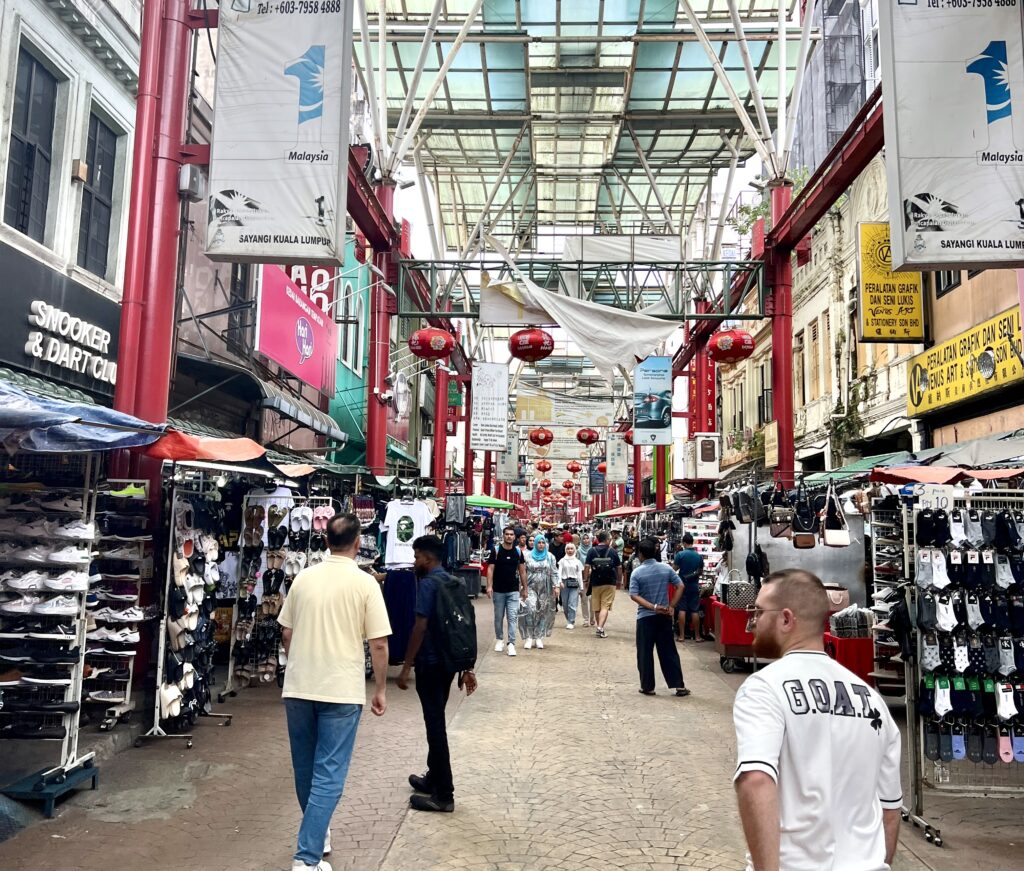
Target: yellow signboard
{"x":891,"y":303}
{"x":970,"y":364}
{"x":771,"y":444}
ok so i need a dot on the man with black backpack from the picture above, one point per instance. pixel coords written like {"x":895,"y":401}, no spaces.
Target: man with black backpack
{"x":602,"y":574}
{"x":442,"y":645}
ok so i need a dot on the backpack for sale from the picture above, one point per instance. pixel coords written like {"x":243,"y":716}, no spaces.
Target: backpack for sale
{"x":602,"y":569}
{"x":454,"y":625}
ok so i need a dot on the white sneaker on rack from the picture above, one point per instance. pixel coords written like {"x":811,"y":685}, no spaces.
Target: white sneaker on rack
{"x":68,"y":582}
{"x":123,"y":636}
{"x":78,"y":530}
{"x":63,"y":503}
{"x":131,"y":553}
{"x":28,"y":581}
{"x":129,"y":615}
{"x":23,"y":605}
{"x":58,"y":606}
{"x":39,"y":528}
{"x":35,"y":554}
{"x":70,"y":555}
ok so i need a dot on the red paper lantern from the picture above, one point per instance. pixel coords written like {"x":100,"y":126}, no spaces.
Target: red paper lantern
{"x":545,"y":483}
{"x":431,"y":343}
{"x":543,"y":466}
{"x":730,"y":346}
{"x":588,"y":436}
{"x":567,"y":485}
{"x":602,"y":467}
{"x":574,"y":467}
{"x":531,"y":345}
{"x":628,"y":437}
{"x":541,"y":436}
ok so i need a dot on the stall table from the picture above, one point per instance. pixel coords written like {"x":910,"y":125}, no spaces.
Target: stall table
{"x":856,"y":654}
{"x":732,"y":641}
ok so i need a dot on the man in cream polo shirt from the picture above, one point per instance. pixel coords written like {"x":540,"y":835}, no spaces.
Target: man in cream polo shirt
{"x":818,"y":774}
{"x":330,"y":609}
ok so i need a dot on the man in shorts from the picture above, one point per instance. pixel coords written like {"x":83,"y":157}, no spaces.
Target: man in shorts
{"x":601,"y":575}
{"x":690,"y":566}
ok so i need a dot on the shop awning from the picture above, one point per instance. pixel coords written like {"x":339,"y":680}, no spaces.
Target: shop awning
{"x":180,"y":446}
{"x":44,"y":425}
{"x":917,"y":475}
{"x":399,"y":453}
{"x":484,"y":501}
{"x":857,"y":469}
{"x":995,"y":474}
{"x":266,"y":393}
{"x":624,"y":511}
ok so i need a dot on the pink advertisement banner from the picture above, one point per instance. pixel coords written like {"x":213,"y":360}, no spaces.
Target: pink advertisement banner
{"x":294,"y":332}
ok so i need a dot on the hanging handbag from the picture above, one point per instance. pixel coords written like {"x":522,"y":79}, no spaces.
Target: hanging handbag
{"x":834,"y":530}
{"x":805,"y":523}
{"x":738,"y":594}
{"x":838,"y":597}
{"x":743,"y":506}
{"x":780,"y":517}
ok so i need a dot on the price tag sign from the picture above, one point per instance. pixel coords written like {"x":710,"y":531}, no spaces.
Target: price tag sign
{"x":935,"y":496}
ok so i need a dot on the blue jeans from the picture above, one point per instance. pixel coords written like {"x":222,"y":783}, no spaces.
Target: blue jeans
{"x":322,"y":735}
{"x":570,"y":601}
{"x":506,"y":603}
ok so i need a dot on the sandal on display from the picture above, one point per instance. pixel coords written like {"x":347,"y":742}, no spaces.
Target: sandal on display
{"x":276,"y":515}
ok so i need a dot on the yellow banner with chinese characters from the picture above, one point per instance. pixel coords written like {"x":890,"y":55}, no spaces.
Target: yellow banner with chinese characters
{"x":891,"y":303}
{"x":974,"y":362}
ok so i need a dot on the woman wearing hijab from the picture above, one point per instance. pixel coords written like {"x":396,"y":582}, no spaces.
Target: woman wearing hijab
{"x":537,"y":613}
{"x":570,"y":575}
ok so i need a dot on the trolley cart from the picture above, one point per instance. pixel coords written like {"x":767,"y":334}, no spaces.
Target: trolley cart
{"x":734,"y":644}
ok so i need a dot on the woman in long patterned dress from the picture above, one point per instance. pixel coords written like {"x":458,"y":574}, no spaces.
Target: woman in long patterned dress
{"x":537,"y":613}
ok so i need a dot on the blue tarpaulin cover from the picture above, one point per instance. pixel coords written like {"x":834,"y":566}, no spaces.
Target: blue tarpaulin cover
{"x":42,"y":425}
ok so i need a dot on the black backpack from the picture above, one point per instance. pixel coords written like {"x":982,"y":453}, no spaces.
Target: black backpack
{"x":602,"y":569}
{"x":454,"y":625}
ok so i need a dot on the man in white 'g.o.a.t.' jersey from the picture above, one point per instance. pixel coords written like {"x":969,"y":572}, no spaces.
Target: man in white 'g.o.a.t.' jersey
{"x":818,"y":779}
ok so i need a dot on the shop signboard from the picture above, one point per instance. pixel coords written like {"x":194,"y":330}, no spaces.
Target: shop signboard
{"x":279,"y":150}
{"x":538,"y":407}
{"x":317,"y":283}
{"x":454,"y":395}
{"x":952,"y":71}
{"x":57,"y":328}
{"x":771,"y":444}
{"x":488,"y":424}
{"x":508,"y":459}
{"x":293,"y":332}
{"x":652,"y":401}
{"x":972,"y":363}
{"x":596,"y":478}
{"x":891,"y":303}
{"x":629,"y":484}
{"x":618,"y":459}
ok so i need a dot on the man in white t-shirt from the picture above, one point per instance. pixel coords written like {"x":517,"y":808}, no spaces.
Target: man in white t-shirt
{"x":329,"y":610}
{"x":818,"y":779}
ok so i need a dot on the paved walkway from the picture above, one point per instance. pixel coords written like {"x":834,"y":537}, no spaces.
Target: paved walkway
{"x":560,"y":764}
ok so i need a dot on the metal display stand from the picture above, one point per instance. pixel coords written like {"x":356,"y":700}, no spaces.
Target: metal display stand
{"x":957,"y":777}
{"x":71,"y":769}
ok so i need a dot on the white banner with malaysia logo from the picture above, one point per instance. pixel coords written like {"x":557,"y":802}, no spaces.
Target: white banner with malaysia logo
{"x":279,"y":151}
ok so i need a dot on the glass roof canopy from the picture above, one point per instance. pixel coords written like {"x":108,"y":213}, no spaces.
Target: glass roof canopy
{"x":587,"y":82}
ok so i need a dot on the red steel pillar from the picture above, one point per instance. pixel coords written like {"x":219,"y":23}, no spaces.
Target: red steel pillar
{"x":782,"y":339}
{"x":661,"y":477}
{"x":440,"y":429}
{"x":467,"y":399}
{"x":380,"y":350}
{"x":488,"y":485}
{"x":638,"y":498}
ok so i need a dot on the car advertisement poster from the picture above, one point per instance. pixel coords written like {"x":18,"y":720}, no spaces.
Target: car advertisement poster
{"x":953,"y":111}
{"x":652,"y":402}
{"x":488,"y":424}
{"x":279,"y":150}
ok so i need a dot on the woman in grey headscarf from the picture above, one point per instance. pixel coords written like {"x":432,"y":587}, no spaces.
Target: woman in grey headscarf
{"x":537,"y":613}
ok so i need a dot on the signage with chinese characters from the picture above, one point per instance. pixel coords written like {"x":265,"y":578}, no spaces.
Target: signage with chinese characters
{"x":771,"y":444}
{"x":953,"y":88}
{"x":488,"y":424}
{"x":977,"y":361}
{"x":891,"y":303}
{"x":508,"y":459}
{"x":293,"y":332}
{"x":618,"y":459}
{"x":279,"y":150}
{"x":536,"y":406}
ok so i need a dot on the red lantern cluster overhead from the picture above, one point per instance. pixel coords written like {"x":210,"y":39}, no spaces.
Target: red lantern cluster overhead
{"x":431,"y":343}
{"x":545,"y":483}
{"x":567,"y":485}
{"x":602,"y":467}
{"x":531,"y":345}
{"x":543,"y":466}
{"x":628,"y":437}
{"x":574,"y":467}
{"x":541,"y":436}
{"x":588,"y":436}
{"x":730,"y":346}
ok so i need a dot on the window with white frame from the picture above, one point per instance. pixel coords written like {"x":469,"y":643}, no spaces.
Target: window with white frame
{"x":347,"y":307}
{"x":360,"y":334}
{"x":97,"y":197}
{"x":31,"y":150}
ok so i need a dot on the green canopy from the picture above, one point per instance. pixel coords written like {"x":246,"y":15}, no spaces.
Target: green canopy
{"x":487,"y":502}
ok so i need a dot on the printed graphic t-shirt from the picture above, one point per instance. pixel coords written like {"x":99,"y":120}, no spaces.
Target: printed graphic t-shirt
{"x":827,"y":739}
{"x":404,"y":523}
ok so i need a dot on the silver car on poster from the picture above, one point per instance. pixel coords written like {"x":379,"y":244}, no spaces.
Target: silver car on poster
{"x":652,"y":410}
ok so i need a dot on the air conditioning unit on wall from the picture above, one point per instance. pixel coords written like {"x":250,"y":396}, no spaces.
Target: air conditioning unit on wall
{"x":707,"y":450}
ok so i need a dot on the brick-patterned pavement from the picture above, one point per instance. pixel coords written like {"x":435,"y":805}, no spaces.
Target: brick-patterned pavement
{"x":559,"y":764}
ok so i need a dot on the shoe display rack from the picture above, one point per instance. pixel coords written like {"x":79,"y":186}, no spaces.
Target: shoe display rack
{"x":704,"y":533}
{"x":965,"y":691}
{"x":281,"y":536}
{"x":184,"y":664}
{"x":891,"y":529}
{"x":47,"y":536}
{"x":112,"y":636}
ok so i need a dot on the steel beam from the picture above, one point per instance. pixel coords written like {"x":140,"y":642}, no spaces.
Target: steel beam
{"x":665,"y":211}
{"x":748,"y":65}
{"x":379,"y":141}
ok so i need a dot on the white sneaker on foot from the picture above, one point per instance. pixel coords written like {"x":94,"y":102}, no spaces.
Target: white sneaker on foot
{"x":511,"y":649}
{"x":327,"y":843}
{"x":570,"y":626}
{"x":529,"y":643}
{"x":320,"y":866}
{"x":499,"y":646}
{"x":540,"y":643}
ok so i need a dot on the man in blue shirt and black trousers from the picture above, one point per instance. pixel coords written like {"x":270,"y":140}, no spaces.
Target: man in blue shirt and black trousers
{"x":648,"y":587}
